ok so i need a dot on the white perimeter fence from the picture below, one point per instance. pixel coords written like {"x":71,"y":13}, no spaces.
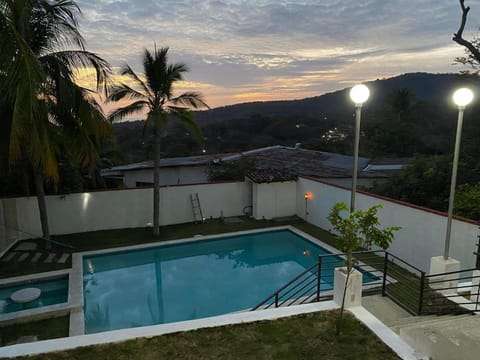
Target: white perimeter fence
{"x":119,"y":209}
{"x":423,"y":231}
{"x":421,"y":237}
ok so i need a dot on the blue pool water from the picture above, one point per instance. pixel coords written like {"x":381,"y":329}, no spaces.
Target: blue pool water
{"x":191,"y":280}
{"x":54,"y":291}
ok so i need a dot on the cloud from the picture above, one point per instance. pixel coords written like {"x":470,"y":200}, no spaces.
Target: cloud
{"x":250,"y":47}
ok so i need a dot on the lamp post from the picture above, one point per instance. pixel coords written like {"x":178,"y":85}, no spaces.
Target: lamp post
{"x":462,"y":97}
{"x":358,"y":94}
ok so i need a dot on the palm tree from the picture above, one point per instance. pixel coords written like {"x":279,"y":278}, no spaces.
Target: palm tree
{"x":155,"y":95}
{"x":39,"y":69}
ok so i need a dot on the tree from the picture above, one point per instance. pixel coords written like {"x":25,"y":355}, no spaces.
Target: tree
{"x":467,"y":201}
{"x":359,"y":230}
{"x":39,"y":68}
{"x":230,"y":170}
{"x":155,"y":95}
{"x":424,"y":182}
{"x":472,"y":48}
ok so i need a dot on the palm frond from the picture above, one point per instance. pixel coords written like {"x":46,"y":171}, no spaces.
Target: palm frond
{"x":190,"y":99}
{"x":69,"y":60}
{"x":187,"y":121}
{"x":54,"y":23}
{"x":123,"y":91}
{"x":128,"y":110}
{"x":128,"y":71}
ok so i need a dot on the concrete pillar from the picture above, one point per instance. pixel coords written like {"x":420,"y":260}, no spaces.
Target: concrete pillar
{"x":353,"y":295}
{"x":438,"y":265}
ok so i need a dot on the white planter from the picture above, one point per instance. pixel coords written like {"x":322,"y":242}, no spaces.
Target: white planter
{"x":353,"y":296}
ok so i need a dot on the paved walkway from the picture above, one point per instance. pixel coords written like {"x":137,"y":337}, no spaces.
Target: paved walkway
{"x":385,"y":309}
{"x":443,"y":337}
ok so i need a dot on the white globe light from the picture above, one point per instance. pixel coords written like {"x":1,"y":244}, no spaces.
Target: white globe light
{"x":359,"y":94}
{"x":463,"y":97}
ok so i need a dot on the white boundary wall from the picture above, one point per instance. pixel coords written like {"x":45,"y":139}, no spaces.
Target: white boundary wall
{"x":423,"y":231}
{"x":125,"y":208}
{"x":274,"y":200}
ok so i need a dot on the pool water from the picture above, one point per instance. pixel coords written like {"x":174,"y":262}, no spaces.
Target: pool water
{"x":191,"y":280}
{"x":54,"y":291}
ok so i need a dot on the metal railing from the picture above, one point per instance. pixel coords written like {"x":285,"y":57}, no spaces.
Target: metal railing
{"x":402,"y":283}
{"x":316,"y":282}
{"x":386,"y":274}
{"x":455,"y":292}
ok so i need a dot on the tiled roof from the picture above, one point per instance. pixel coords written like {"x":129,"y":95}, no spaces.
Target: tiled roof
{"x":260,"y":176}
{"x":281,"y":161}
{"x":299,"y":161}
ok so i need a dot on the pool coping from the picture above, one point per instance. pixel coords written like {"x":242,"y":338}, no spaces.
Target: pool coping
{"x":77,"y":316}
{"x":42,"y":312}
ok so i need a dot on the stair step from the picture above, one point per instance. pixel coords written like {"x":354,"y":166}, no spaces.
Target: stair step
{"x":63,"y":258}
{"x":36,"y":257}
{"x":420,"y":321}
{"x":50,"y":258}
{"x":23,"y":257}
{"x":9,"y":257}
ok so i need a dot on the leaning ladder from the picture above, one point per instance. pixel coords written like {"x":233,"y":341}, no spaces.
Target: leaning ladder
{"x":196,"y":208}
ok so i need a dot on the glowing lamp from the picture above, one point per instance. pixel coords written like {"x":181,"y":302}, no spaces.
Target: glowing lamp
{"x":462,"y":97}
{"x":359,"y":94}
{"x":307,"y":196}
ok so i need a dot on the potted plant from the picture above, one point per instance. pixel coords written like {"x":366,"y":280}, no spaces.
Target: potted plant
{"x":359,"y":230}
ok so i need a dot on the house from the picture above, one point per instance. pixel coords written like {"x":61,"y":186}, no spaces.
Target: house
{"x":270,"y":162}
{"x":173,"y":171}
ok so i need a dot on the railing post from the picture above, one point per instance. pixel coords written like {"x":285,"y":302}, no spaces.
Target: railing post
{"x":319,"y":277}
{"x":478,"y":296}
{"x":384,"y":283}
{"x":276,"y":300}
{"x":422,"y":285}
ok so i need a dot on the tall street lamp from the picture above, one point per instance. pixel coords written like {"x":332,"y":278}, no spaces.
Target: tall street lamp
{"x":359,"y":94}
{"x":462,"y":97}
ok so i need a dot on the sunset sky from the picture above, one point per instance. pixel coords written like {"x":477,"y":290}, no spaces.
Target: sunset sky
{"x":246,"y":50}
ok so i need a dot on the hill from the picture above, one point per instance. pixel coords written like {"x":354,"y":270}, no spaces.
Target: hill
{"x":249,"y":125}
{"x":424,"y":86}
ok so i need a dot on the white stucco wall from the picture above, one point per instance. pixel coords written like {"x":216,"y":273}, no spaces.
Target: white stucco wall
{"x":274,"y":200}
{"x":168,"y":176}
{"x":128,"y":208}
{"x":423,"y":232}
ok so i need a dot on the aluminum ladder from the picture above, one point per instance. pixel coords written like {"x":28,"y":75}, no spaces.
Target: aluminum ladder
{"x":196,"y":208}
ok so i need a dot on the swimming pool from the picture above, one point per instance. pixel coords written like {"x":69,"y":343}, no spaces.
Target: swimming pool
{"x":53,"y":291}
{"x":191,"y":280}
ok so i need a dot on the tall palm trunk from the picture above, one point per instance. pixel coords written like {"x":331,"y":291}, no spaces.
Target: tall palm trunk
{"x":42,"y":206}
{"x":156,"y":188}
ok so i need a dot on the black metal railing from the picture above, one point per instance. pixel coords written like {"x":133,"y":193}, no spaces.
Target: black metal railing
{"x":316,"y":282}
{"x":300,"y":289}
{"x":386,"y":274}
{"x":402,"y":283}
{"x":455,"y":292}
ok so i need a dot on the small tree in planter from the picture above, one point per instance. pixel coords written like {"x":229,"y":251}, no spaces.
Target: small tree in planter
{"x":359,"y":230}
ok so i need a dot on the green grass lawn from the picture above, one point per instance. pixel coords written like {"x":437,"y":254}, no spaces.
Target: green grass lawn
{"x":310,"y":336}
{"x":44,"y":329}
